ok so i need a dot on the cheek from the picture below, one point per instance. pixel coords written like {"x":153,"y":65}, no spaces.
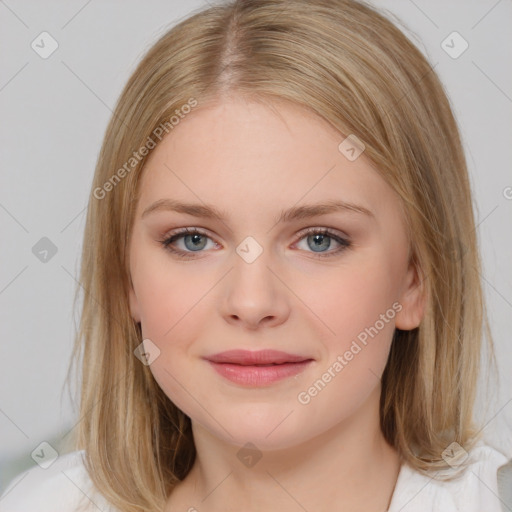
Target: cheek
{"x":358,"y":305}
{"x":167,"y":307}
{"x":172,"y":314}
{"x":165,"y":295}
{"x":352,"y":299}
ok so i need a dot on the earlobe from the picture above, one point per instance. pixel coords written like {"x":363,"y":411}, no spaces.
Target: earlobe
{"x":413,"y":301}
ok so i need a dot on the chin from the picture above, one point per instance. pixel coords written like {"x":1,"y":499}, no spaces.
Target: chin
{"x":268,"y":428}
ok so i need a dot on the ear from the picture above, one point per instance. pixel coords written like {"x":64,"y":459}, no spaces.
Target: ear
{"x":412,"y":299}
{"x":134,"y":304}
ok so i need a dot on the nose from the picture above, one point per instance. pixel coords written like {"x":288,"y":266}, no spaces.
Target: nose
{"x":254,"y":296}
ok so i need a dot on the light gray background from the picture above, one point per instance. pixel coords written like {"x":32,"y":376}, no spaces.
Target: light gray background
{"x":53,"y":115}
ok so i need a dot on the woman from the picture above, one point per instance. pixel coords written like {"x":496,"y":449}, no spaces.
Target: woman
{"x":282,"y":303}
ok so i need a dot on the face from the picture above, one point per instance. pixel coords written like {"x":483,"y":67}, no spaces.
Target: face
{"x":264,"y":268}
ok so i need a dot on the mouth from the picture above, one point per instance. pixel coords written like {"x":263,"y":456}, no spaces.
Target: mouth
{"x":257,"y":368}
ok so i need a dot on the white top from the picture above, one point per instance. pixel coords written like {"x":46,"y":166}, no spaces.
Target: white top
{"x":65,"y":486}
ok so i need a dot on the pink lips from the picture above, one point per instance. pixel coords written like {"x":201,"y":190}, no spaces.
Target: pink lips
{"x":257,"y":368}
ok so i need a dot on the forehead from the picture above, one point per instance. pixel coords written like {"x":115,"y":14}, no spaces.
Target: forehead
{"x":251,"y":157}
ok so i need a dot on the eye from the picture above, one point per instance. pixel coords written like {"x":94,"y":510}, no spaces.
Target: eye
{"x":188,"y":242}
{"x":320,"y":240}
{"x":191,"y":240}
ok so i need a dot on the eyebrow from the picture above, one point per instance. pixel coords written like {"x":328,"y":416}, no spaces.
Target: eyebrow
{"x":295,"y":213}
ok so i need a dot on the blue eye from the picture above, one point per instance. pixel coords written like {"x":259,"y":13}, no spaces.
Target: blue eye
{"x":321,"y":240}
{"x":193,"y":240}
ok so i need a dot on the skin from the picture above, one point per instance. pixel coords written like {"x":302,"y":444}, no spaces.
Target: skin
{"x":251,"y":161}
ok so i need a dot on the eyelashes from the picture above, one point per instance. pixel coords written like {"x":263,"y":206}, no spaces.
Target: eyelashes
{"x":195,"y":235}
{"x":181,"y":234}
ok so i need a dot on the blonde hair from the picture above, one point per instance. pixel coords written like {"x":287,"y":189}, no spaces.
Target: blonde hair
{"x":348,"y":64}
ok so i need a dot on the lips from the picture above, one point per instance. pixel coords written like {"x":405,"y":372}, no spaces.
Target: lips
{"x":257,"y":368}
{"x":256,"y":358}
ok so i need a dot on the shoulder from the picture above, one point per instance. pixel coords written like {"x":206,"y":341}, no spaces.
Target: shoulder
{"x":475,"y":489}
{"x":64,"y":485}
